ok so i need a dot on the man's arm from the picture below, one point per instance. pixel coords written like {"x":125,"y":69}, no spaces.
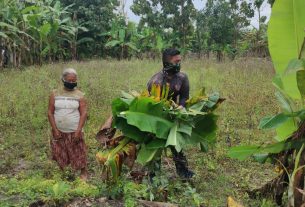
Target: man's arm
{"x":155,"y":79}
{"x":184,"y":91}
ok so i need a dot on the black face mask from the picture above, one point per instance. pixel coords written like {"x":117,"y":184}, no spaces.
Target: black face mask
{"x":171,"y":68}
{"x":69,"y":85}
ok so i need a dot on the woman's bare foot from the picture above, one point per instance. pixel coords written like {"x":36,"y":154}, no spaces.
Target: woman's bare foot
{"x":84,"y":174}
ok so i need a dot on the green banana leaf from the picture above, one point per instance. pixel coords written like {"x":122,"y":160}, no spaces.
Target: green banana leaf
{"x":147,"y":105}
{"x":286,"y":32}
{"x":155,"y":144}
{"x":130,"y":131}
{"x":301,"y":82}
{"x":148,"y":116}
{"x":127,"y":98}
{"x":155,"y":124}
{"x":203,"y":132}
{"x":244,"y":152}
{"x":285,"y":38}
{"x":285,"y":130}
{"x":175,"y":138}
{"x":118,"y":105}
{"x":146,"y":155}
{"x":272,"y":122}
{"x":285,"y":102}
{"x":148,"y":123}
{"x":205,"y":129}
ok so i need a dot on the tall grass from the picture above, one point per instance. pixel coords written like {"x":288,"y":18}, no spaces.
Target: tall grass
{"x":245,"y":83}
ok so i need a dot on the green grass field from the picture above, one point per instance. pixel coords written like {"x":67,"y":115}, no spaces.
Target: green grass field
{"x":27,"y":174}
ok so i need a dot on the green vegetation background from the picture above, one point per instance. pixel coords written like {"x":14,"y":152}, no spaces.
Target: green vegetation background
{"x":28,"y":174}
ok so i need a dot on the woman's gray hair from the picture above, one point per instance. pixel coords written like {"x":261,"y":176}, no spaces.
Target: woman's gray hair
{"x":68,"y":71}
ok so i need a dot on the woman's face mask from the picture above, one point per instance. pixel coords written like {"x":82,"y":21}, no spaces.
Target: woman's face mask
{"x":70,"y":81}
{"x":69,"y":85}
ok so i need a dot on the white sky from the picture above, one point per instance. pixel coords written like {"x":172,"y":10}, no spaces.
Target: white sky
{"x":199,"y":4}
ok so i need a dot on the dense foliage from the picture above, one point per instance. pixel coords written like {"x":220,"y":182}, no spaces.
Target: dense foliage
{"x":286,"y":45}
{"x":153,"y":123}
{"x":25,"y":155}
{"x":37,"y":31}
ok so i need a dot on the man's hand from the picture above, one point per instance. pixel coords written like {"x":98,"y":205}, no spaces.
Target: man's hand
{"x":180,"y":107}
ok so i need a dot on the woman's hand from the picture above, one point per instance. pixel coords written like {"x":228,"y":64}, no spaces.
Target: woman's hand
{"x":77,"y":135}
{"x":56,"y":134}
{"x":83,"y":116}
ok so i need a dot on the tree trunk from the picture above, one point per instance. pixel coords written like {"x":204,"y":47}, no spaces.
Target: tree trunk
{"x":30,"y":53}
{"x":219,"y":56}
{"x":183,"y":26}
{"x":50,"y":55}
{"x":74,"y":50}
{"x":19,"y":56}
{"x":259,"y":20}
{"x":10,"y":56}
{"x":122,"y":52}
{"x":40,"y":50}
{"x":14,"y":56}
{"x":1,"y":56}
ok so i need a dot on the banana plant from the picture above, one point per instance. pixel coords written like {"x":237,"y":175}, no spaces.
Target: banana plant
{"x":71,"y":35}
{"x":289,"y":80}
{"x":39,"y":29}
{"x":51,"y":31}
{"x":152,"y":40}
{"x":122,"y":35}
{"x":112,"y":158}
{"x":153,"y":123}
{"x":286,"y":37}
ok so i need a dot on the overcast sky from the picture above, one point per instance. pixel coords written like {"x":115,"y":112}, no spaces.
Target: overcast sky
{"x":199,"y":4}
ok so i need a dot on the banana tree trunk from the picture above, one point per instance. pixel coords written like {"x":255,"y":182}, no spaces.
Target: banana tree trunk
{"x":1,"y":56}
{"x":10,"y":57}
{"x":39,"y":47}
{"x":74,"y":50}
{"x":50,"y":55}
{"x":298,"y":185}
{"x":19,"y":58}
{"x":219,"y":55}
{"x":14,"y":56}
{"x":122,"y":52}
{"x":31,"y":56}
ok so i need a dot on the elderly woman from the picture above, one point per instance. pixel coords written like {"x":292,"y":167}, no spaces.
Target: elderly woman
{"x":67,"y":115}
